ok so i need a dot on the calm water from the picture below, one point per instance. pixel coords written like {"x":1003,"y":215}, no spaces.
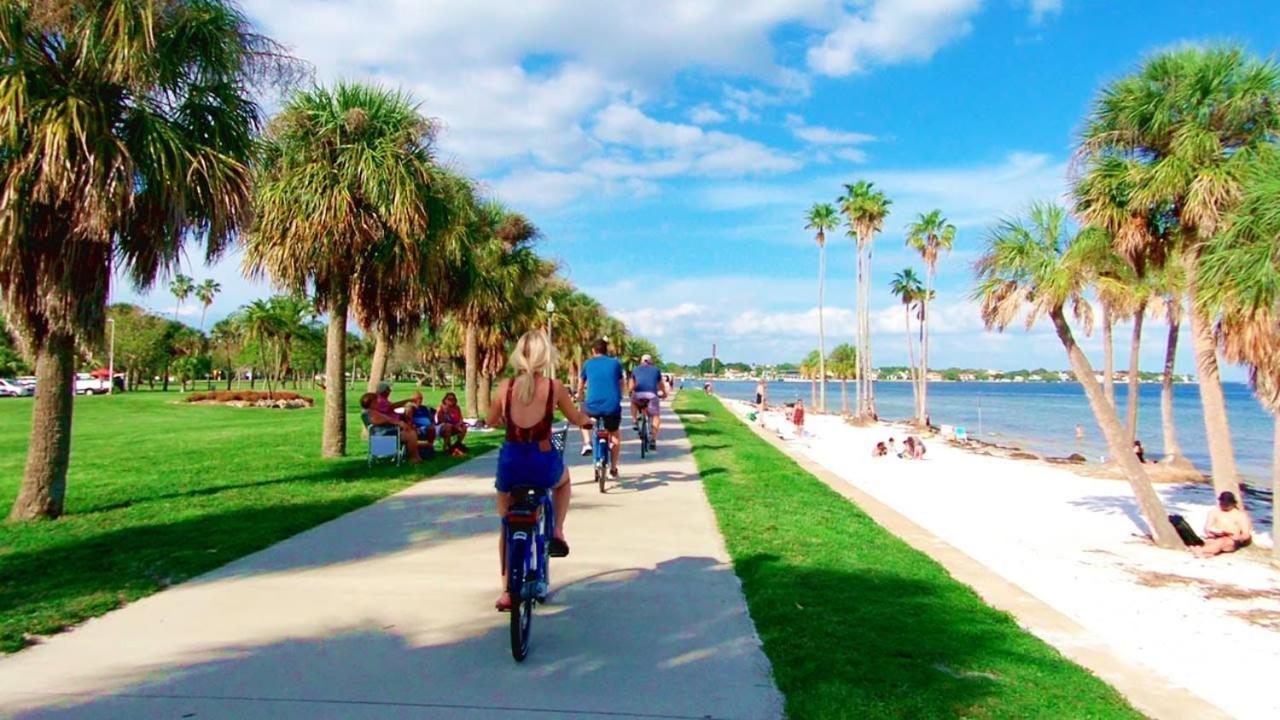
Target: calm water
{"x":1043,"y":416}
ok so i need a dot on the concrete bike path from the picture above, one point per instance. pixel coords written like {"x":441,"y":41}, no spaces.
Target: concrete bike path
{"x":387,"y":613}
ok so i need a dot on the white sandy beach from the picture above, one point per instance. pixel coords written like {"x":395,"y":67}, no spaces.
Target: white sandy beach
{"x":1211,"y":626}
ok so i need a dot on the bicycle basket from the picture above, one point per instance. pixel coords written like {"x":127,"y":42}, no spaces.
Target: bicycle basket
{"x":559,"y":437}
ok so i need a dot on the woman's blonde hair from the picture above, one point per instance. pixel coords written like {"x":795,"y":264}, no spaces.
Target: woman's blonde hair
{"x":531,"y":358}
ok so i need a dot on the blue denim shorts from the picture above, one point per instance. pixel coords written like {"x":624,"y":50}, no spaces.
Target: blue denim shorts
{"x":525,"y":464}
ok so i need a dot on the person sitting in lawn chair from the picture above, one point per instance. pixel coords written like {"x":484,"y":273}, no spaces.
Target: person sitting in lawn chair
{"x":450,"y":427}
{"x":389,"y":423}
{"x":410,"y":408}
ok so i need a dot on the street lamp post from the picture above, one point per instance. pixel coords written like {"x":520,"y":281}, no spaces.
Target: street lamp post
{"x":111,"y":359}
{"x":551,"y":311}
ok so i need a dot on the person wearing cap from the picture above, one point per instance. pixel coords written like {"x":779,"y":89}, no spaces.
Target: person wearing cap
{"x":647,"y":384}
{"x":385,"y":407}
{"x":1227,"y":529}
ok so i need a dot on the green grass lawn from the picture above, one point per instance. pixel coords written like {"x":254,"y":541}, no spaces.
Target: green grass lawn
{"x":160,"y":491}
{"x":855,"y":622}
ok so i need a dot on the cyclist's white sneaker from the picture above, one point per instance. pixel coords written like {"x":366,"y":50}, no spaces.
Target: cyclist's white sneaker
{"x":585,"y":451}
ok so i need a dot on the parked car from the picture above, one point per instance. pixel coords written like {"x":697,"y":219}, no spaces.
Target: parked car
{"x":13,"y":388}
{"x":87,"y":384}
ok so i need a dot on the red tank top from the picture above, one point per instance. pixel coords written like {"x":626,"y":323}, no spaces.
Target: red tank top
{"x":538,"y":433}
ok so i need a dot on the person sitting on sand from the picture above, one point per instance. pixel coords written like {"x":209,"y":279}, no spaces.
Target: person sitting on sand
{"x":1227,"y":529}
{"x":880,"y":450}
{"x":912,"y":448}
{"x":1137,"y":450}
{"x":893,"y":446}
{"x":389,"y":423}
{"x":797,"y":417}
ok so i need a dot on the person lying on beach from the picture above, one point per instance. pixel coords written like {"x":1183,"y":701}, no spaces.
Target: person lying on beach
{"x":880,"y":450}
{"x":1227,"y":529}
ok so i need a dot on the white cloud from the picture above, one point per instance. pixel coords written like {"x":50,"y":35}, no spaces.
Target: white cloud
{"x":838,"y":144}
{"x":704,"y":114}
{"x":891,"y":31}
{"x":660,"y":323}
{"x":971,"y":196}
{"x":1040,"y":9}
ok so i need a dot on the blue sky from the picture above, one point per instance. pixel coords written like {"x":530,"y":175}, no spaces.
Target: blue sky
{"x":669,"y":149}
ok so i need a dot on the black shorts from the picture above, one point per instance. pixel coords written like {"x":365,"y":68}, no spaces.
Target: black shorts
{"x":610,"y":422}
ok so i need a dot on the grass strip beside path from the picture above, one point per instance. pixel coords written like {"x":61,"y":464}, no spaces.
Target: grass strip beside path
{"x":160,"y":491}
{"x":855,"y":622}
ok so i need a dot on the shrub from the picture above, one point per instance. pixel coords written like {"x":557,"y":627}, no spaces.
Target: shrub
{"x":247,"y":396}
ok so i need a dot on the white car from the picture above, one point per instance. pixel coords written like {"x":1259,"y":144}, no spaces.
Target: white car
{"x":87,"y":384}
{"x":12,"y":388}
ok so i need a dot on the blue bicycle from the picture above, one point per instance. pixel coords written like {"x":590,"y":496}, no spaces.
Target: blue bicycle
{"x":528,"y":530}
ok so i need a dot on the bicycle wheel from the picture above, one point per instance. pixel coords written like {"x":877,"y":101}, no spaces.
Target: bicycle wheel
{"x":644,"y":437}
{"x":600,"y":474}
{"x":521,"y":598}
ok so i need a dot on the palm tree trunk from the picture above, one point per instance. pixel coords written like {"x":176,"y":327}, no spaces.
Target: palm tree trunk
{"x":866,"y":338}
{"x":1275,"y":485}
{"x":923,"y":417}
{"x":334,"y":443}
{"x":1173,"y":450}
{"x":471,"y":356}
{"x":1108,"y":358}
{"x":1148,"y":501}
{"x":844,"y":395}
{"x":44,"y":483}
{"x":859,"y":385}
{"x":484,"y":394}
{"x":911,"y":361}
{"x":381,"y":351}
{"x":822,"y":337}
{"x":1135,"y":346}
{"x":1216,"y":426}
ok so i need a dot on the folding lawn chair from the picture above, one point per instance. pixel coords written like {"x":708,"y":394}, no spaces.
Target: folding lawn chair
{"x":384,"y":441}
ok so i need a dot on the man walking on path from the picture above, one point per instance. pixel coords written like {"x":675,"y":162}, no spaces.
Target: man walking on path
{"x":602,"y":398}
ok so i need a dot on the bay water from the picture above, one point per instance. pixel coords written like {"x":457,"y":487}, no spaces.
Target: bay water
{"x":1042,"y":417}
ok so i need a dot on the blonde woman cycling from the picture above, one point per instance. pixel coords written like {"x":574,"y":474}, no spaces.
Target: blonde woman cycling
{"x":526,"y":406}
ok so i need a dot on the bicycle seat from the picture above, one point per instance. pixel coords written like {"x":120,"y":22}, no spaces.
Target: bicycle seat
{"x":641,"y":403}
{"x":526,"y":495}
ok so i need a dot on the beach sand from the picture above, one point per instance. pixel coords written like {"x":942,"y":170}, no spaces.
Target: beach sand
{"x":1076,"y":543}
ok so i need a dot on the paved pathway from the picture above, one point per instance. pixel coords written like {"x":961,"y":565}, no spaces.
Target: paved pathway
{"x":386,"y":613}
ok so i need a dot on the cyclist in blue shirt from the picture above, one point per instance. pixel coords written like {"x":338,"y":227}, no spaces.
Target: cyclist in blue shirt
{"x":647,"y":384}
{"x":602,"y":398}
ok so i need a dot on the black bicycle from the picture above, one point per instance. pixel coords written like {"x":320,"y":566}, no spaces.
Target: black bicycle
{"x":642,"y":424}
{"x":528,"y":527}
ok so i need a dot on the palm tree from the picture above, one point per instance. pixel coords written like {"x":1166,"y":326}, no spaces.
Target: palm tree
{"x":1113,"y":280}
{"x":865,"y":210}
{"x":1169,"y":279}
{"x":262,"y":328}
{"x":809,"y":369}
{"x":1026,"y":268}
{"x":929,"y":235}
{"x":392,"y":311}
{"x":1181,"y":133}
{"x":227,"y":334}
{"x":844,"y":363}
{"x":907,"y":287}
{"x":343,"y":172}
{"x":1240,"y":284}
{"x":205,"y":293}
{"x":122,"y":140}
{"x":181,"y":287}
{"x":822,"y":219}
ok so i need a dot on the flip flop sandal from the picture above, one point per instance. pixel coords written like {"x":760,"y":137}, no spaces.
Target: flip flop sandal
{"x":558,"y":548}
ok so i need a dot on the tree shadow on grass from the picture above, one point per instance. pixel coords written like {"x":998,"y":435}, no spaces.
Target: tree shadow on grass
{"x":683,"y":648}
{"x":875,"y":643}
{"x":45,"y":589}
